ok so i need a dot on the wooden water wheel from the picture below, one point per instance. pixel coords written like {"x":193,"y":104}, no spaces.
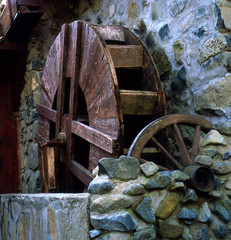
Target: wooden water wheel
{"x":100,"y":87}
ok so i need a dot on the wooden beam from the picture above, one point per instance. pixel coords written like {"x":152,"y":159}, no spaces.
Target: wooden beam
{"x":30,"y":3}
{"x":46,"y":112}
{"x":137,"y":102}
{"x":11,"y":46}
{"x":94,"y":136}
{"x":81,"y":172}
{"x":126,"y":56}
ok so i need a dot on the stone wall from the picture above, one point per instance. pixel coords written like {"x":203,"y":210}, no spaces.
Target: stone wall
{"x":44,"y":216}
{"x":190,"y":42}
{"x":130,"y":201}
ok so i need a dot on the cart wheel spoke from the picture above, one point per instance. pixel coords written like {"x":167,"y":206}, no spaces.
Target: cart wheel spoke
{"x":181,"y":145}
{"x":166,"y":153}
{"x":195,"y":146}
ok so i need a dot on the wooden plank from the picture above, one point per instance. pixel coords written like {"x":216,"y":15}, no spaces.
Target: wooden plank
{"x":47,"y":112}
{"x":81,"y":172}
{"x":94,"y":136}
{"x":51,"y":168}
{"x":48,"y":168}
{"x":62,"y":77}
{"x":106,"y":125}
{"x":126,"y":56}
{"x":111,"y":33}
{"x":138,"y":102}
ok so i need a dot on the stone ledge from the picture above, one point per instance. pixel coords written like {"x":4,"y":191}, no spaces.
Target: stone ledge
{"x":53,"y":216}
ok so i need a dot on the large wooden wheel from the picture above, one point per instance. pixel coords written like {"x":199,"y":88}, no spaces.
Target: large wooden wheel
{"x":149,"y":133}
{"x":96,"y":81}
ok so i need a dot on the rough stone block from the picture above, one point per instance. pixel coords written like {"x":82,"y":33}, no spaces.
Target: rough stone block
{"x":122,"y":168}
{"x":164,"y":32}
{"x":226,"y":16}
{"x":120,"y":221}
{"x":190,"y":196}
{"x":213,"y":46}
{"x":222,"y":167}
{"x":148,"y":233}
{"x":221,"y":212}
{"x":144,"y":210}
{"x":213,"y":138}
{"x":134,"y":190}
{"x":204,"y":233}
{"x":159,"y":180}
{"x":205,"y":215}
{"x":168,"y":205}
{"x":149,"y":168}
{"x":110,"y":203}
{"x":100,"y":186}
{"x":170,"y":228}
{"x":187,"y":214}
{"x":204,"y":160}
{"x":177,"y":6}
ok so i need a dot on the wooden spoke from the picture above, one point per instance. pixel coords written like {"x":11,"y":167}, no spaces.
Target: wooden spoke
{"x":196,"y":140}
{"x":46,"y":112}
{"x":167,"y":154}
{"x":81,"y":172}
{"x":181,"y":145}
{"x":94,"y":136}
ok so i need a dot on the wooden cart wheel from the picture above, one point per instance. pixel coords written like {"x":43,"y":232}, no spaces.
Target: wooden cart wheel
{"x":148,"y":134}
{"x":93,"y":78}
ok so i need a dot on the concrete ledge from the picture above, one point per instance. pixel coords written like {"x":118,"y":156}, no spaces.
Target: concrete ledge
{"x":44,"y":216}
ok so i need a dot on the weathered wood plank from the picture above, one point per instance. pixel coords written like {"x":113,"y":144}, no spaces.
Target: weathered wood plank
{"x":111,"y":33}
{"x":62,"y":77}
{"x":138,"y":102}
{"x":126,"y":56}
{"x":94,"y":136}
{"x":48,"y":168}
{"x":43,"y":128}
{"x":81,"y":172}
{"x":108,"y":125}
{"x":46,"y":112}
